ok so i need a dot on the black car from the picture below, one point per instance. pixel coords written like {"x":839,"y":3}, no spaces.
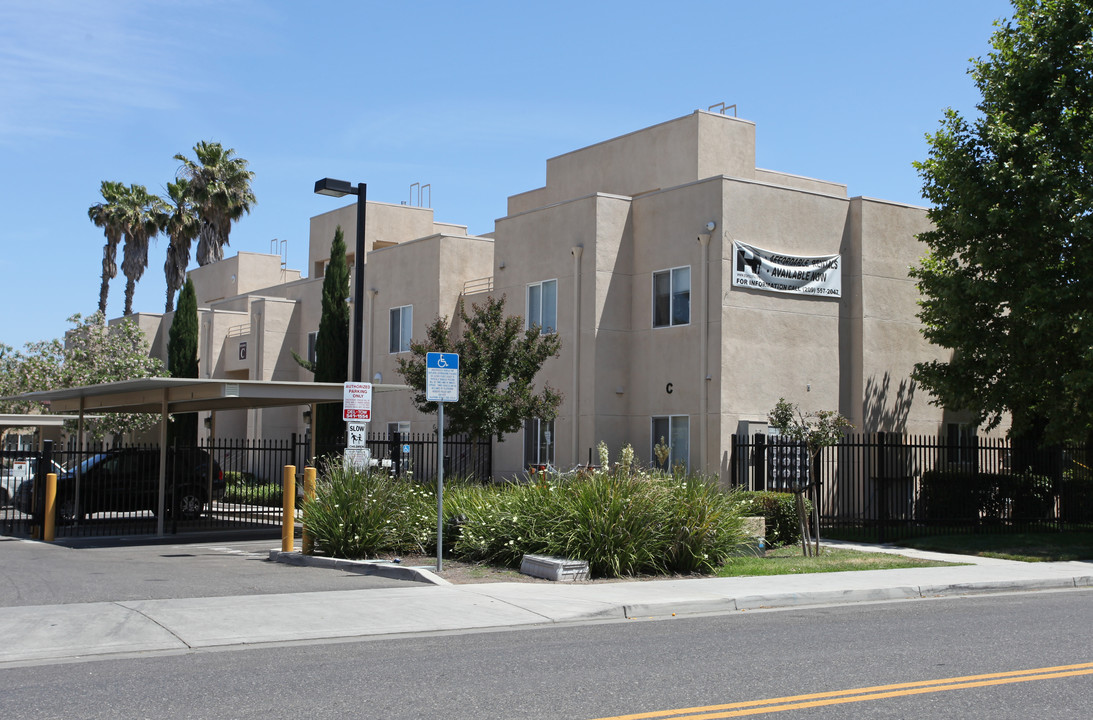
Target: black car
{"x":127,"y":480}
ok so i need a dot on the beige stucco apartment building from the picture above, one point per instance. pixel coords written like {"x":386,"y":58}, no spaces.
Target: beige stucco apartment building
{"x":690,"y":289}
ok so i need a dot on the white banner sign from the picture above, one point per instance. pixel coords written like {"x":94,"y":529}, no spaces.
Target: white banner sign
{"x":759,"y":269}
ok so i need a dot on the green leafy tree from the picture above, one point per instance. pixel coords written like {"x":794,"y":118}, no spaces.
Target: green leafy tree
{"x":182,"y":227}
{"x":220,"y":190}
{"x":142,"y":215}
{"x":1007,"y":283}
{"x":332,"y":341}
{"x":107,"y":215}
{"x":182,"y":360}
{"x":815,"y":430}
{"x":91,"y":353}
{"x":498,"y":362}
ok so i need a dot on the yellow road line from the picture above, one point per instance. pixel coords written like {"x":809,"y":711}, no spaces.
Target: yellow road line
{"x":877,"y":692}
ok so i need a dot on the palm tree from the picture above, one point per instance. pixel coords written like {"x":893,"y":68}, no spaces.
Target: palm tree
{"x":142,"y":217}
{"x":182,"y":227}
{"x":107,"y":215}
{"x":220,"y":185}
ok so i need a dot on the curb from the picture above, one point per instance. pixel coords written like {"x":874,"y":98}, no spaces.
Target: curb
{"x":389,"y":570}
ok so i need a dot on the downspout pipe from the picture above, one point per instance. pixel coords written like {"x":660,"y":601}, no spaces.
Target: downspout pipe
{"x":578,"y":251}
{"x":704,"y":353}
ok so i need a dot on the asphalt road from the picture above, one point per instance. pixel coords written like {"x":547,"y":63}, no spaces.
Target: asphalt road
{"x":33,"y":573}
{"x":599,"y":670}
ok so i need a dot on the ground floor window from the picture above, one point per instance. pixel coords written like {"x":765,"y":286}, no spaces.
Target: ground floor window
{"x":675,"y":432}
{"x":538,"y":442}
{"x":402,"y":428}
{"x":960,"y":439}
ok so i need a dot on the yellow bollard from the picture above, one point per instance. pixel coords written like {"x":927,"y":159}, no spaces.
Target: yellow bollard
{"x":51,"y":508}
{"x":307,"y":543}
{"x":288,"y":524}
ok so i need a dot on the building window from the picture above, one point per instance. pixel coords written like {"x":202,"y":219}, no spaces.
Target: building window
{"x":401,"y":427}
{"x":672,"y":297}
{"x":961,"y":443}
{"x":312,"y":340}
{"x":538,"y":442}
{"x":676,"y":432}
{"x":543,"y":306}
{"x":402,"y":322}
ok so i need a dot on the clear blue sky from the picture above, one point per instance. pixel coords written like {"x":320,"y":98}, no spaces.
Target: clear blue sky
{"x":469,"y":97}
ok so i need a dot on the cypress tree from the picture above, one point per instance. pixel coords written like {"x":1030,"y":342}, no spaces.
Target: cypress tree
{"x":332,"y":342}
{"x":182,"y":360}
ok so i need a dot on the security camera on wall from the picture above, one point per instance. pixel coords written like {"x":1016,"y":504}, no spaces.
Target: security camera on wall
{"x":710,"y":226}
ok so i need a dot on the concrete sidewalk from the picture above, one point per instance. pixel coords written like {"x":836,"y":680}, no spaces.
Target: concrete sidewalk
{"x":76,"y":631}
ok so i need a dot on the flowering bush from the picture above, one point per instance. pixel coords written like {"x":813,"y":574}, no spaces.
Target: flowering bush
{"x":357,"y":514}
{"x":625,"y":521}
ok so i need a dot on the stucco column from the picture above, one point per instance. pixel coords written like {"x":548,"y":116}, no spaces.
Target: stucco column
{"x":577,"y":251}
{"x":704,"y":352}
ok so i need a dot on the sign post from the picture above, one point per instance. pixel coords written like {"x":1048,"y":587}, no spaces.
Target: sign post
{"x":357,"y":412}
{"x":441,"y":386}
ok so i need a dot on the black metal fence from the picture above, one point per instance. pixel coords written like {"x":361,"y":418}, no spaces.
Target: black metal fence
{"x":225,"y":485}
{"x":883,"y":486}
{"x":415,"y":455}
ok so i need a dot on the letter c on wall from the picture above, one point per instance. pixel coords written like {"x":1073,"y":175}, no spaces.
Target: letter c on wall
{"x":668,"y":388}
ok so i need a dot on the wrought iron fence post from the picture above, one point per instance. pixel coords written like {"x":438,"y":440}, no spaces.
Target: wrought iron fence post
{"x":882,"y":485}
{"x":394,"y":444}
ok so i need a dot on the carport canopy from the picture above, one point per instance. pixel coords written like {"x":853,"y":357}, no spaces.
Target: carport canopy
{"x":175,"y":395}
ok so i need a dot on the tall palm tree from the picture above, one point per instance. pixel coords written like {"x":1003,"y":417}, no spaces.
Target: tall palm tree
{"x":142,"y":214}
{"x":182,"y":227}
{"x":107,"y":215}
{"x":220,"y":185}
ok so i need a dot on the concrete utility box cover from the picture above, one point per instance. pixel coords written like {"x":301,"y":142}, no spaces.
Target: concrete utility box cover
{"x":755,"y":526}
{"x":553,"y":568}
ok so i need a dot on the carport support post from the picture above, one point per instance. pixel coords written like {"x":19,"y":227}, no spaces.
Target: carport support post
{"x":162,"y":463}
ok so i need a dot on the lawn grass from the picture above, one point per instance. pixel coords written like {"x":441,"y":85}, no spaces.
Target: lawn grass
{"x":1029,"y":547}
{"x":789,"y":561}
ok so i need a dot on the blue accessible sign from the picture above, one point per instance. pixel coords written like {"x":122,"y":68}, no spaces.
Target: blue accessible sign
{"x":442,"y":377}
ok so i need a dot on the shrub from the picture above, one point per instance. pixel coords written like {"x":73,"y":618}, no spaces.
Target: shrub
{"x":972,"y":497}
{"x":357,"y":514}
{"x":243,"y":488}
{"x":621,"y":523}
{"x":779,"y":510}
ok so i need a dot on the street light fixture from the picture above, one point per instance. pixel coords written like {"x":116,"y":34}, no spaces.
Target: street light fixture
{"x":340,"y":188}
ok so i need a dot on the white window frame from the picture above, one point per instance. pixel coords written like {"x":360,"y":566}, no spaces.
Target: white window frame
{"x":539,"y":448}
{"x":312,"y":346}
{"x":961,"y":441}
{"x":396,"y":342}
{"x":673,"y":296}
{"x":536,"y":314}
{"x":679,"y":428}
{"x":402,"y":427}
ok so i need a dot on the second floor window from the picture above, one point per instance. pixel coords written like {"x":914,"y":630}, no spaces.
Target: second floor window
{"x":543,"y":306}
{"x":402,"y":322}
{"x":672,"y":297}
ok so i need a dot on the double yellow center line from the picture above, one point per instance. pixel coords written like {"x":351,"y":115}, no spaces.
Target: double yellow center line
{"x":877,"y":692}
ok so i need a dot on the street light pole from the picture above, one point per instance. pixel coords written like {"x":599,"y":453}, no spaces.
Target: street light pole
{"x":340,"y":188}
